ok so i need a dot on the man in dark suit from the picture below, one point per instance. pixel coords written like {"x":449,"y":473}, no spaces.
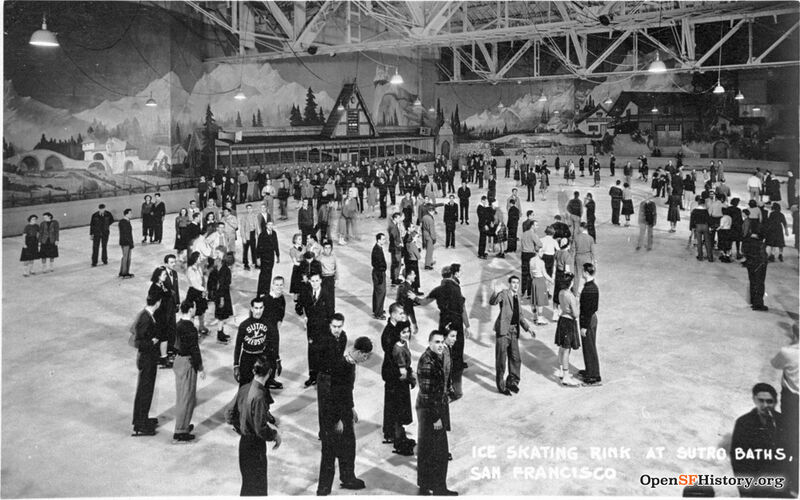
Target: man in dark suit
{"x":99,"y":232}
{"x":590,"y":297}
{"x":146,"y":342}
{"x":616,"y":202}
{"x":337,"y":414}
{"x":378,"y":277}
{"x":463,"y":202}
{"x":485,"y":216}
{"x":126,"y":244}
{"x":433,"y":420}
{"x":395,"y":246}
{"x":506,"y":328}
{"x":268,"y":254}
{"x":317,"y":308}
{"x":450,"y":219}
{"x":158,"y":214}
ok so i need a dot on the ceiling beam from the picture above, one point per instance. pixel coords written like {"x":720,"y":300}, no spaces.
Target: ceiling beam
{"x":280,"y":17}
{"x":718,"y":45}
{"x":706,"y":13}
{"x":316,"y":25}
{"x":780,"y":40}
{"x":417,"y":14}
{"x":610,"y":50}
{"x":439,"y":19}
{"x":511,"y":62}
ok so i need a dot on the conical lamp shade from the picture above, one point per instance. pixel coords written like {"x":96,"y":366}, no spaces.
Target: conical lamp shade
{"x":151,"y":103}
{"x":719,"y":89}
{"x":739,"y":96}
{"x":542,"y":98}
{"x":44,"y":37}
{"x":396,"y":78}
{"x":657,"y":66}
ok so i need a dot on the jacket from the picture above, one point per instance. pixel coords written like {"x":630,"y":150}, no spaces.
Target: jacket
{"x":450,"y":214}
{"x":125,"y":233}
{"x":99,"y":225}
{"x":502,"y":325}
{"x":432,"y":382}
{"x":48,"y":232}
{"x":378,"y":260}
{"x":267,"y":247}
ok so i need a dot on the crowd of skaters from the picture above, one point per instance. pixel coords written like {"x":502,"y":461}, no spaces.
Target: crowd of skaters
{"x":553,"y":267}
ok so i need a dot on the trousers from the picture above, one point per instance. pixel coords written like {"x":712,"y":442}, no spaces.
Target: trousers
{"x":450,"y":235}
{"x":339,"y":447}
{"x":526,"y":273}
{"x":506,"y":353}
{"x":703,"y":235}
{"x":264,"y":278}
{"x":97,"y":242}
{"x":125,"y":262}
{"x":185,"y":392}
{"x":645,"y":230}
{"x":249,"y":243}
{"x":590,"y":350}
{"x":463,"y":209}
{"x":378,"y":292}
{"x":147,"y":363}
{"x":253,"y":465}
{"x":432,"y":451}
{"x":615,"y":207}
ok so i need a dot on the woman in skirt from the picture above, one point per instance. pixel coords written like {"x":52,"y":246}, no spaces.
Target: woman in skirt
{"x":296,"y":254}
{"x":48,"y":241}
{"x":544,"y":181}
{"x":30,"y":250}
{"x":539,"y":281}
{"x":197,"y":290}
{"x":563,"y":266}
{"x":223,"y":306}
{"x":567,"y":335}
{"x":627,"y":204}
{"x":775,"y":227}
{"x":674,"y":211}
{"x":500,"y":232}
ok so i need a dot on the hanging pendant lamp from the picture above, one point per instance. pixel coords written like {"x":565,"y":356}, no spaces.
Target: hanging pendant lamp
{"x":44,"y":37}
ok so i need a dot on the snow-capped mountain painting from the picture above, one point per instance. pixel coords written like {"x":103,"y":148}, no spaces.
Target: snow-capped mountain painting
{"x":26,"y":119}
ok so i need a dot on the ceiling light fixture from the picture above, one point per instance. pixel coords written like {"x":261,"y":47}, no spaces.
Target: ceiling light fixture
{"x":44,"y":37}
{"x":719,"y":89}
{"x":657,"y":66}
{"x":756,"y":109}
{"x":555,"y":112}
{"x":654,"y":110}
{"x":396,"y":78}
{"x":417,"y":102}
{"x":542,"y":98}
{"x":240,"y":96}
{"x":431,"y":110}
{"x":739,"y":96}
{"x":151,"y":103}
{"x":500,"y":106}
{"x":608,"y":100}
{"x":340,"y":107}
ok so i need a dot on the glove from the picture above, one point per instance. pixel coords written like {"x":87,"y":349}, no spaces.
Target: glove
{"x":278,"y":367}
{"x":236,"y":373}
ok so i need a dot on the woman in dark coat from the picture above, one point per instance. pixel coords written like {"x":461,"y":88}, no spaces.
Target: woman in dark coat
{"x":182,"y":222}
{"x":30,"y":250}
{"x":774,"y":228}
{"x":399,"y":382}
{"x":48,"y":241}
{"x":627,"y":204}
{"x":674,"y":211}
{"x":158,"y":288}
{"x":223,"y":306}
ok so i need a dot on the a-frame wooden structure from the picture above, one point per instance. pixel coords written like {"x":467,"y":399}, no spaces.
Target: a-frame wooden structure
{"x":350,"y":116}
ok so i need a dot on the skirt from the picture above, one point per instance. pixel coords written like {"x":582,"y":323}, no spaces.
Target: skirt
{"x":225,"y":311}
{"x":539,"y":292}
{"x":296,"y":283}
{"x":30,"y":251}
{"x":48,"y":250}
{"x":673,"y":214}
{"x":627,"y":207}
{"x":567,"y":335}
{"x":196,"y":296}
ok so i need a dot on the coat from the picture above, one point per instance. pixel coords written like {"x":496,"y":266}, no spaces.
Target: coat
{"x":428,"y":229}
{"x":502,"y":325}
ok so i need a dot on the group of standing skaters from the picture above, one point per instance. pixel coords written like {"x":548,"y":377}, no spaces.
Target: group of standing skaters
{"x":559,"y":265}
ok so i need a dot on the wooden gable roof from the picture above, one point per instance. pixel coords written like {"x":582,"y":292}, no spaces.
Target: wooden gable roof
{"x":338,"y":116}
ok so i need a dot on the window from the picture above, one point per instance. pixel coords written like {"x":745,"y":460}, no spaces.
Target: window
{"x":675,"y":127}
{"x":594,"y":128}
{"x":661,"y":127}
